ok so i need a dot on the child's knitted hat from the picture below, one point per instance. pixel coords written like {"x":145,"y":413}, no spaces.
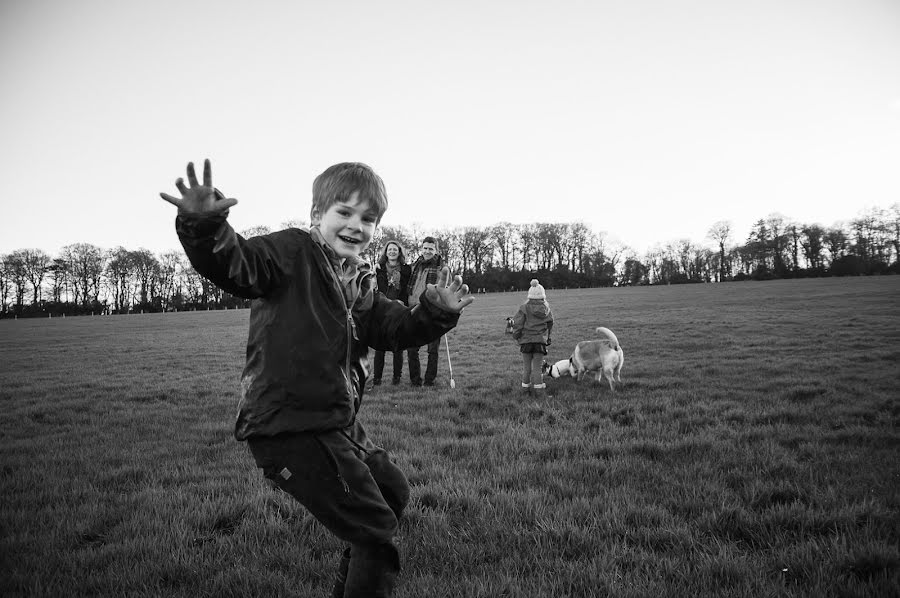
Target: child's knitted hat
{"x":536,"y":291}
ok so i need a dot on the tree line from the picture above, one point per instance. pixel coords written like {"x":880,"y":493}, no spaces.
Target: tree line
{"x":86,"y":279}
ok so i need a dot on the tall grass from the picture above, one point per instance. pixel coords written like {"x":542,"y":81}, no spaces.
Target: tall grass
{"x":751,"y":451}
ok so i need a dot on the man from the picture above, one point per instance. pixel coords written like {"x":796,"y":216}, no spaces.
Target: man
{"x":424,"y":272}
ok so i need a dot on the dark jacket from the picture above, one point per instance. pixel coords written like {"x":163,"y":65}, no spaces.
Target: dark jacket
{"x":307,"y":343}
{"x":401,"y":292}
{"x":533,"y":322}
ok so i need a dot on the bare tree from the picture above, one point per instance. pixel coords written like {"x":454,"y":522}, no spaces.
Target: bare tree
{"x":836,"y":243}
{"x":893,"y":227}
{"x":14,"y":268}
{"x":777,"y":227}
{"x":579,"y":238}
{"x":720,"y":232}
{"x":118,"y":271}
{"x":86,"y":263}
{"x":529,"y":243}
{"x":476,"y":241}
{"x":873,"y":238}
{"x":36,"y":263}
{"x":6,"y":282}
{"x":255,"y":231}
{"x":170,"y":265}
{"x":146,"y":268}
{"x":793,"y":234}
{"x":503,"y":235}
{"x":294,"y":223}
{"x":812,"y":244}
{"x":59,"y":279}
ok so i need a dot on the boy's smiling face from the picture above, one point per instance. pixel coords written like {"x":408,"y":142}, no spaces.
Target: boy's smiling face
{"x":348,"y":226}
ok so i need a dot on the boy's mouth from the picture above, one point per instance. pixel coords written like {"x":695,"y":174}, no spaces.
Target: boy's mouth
{"x":349,"y":240}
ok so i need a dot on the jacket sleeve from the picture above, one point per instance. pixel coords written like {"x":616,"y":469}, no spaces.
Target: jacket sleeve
{"x":248,"y":268}
{"x":392,"y":326}
{"x":405,"y":279}
{"x":380,"y":279}
{"x":518,"y":323}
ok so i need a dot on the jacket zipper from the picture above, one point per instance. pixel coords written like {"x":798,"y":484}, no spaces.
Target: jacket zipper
{"x":334,"y":464}
{"x":351,"y":331}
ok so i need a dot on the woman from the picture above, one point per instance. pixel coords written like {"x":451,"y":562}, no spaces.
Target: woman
{"x":392,"y":274}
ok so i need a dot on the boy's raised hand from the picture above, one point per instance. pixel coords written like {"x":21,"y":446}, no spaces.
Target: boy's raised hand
{"x":449,"y":293}
{"x":199,"y":199}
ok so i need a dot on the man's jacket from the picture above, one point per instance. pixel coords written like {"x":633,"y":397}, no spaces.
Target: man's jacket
{"x":308,"y":336}
{"x":424,"y":272}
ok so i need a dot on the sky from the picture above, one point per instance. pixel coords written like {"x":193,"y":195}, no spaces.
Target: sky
{"x":648,"y":120}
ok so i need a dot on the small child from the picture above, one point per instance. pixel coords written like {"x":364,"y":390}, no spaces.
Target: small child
{"x":313,"y":316}
{"x":531,"y":328}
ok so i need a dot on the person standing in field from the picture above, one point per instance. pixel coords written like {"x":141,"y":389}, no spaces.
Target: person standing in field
{"x":531,"y":327}
{"x":392,"y":273}
{"x":314,"y":314}
{"x":424,"y":272}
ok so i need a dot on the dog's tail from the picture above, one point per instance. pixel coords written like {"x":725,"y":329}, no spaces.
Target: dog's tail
{"x":609,"y":336}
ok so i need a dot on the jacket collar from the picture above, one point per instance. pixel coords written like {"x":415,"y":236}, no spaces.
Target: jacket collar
{"x":434,"y":262}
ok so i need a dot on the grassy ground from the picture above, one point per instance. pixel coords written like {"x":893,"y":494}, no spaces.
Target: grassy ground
{"x":753,"y":450}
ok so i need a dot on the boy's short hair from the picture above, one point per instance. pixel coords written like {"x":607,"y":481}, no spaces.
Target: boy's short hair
{"x":338,"y":183}
{"x":430,"y":240}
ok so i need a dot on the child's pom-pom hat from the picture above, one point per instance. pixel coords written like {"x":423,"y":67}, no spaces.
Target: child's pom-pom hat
{"x":536,"y":291}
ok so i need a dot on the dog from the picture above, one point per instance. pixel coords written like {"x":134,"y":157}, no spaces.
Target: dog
{"x":603,"y":356}
{"x":509,"y":325}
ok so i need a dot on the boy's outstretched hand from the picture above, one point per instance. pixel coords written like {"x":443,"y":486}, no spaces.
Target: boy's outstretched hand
{"x":449,"y":293}
{"x":199,"y":199}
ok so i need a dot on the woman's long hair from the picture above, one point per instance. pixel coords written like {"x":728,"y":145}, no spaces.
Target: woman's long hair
{"x":383,"y":259}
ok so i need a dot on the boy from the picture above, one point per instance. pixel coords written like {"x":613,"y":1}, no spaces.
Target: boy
{"x":313,"y":316}
{"x":424,"y":272}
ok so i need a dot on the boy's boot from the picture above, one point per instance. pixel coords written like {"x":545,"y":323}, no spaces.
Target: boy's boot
{"x":540,"y":390}
{"x":373,"y":571}
{"x":340,"y":582}
{"x":526,"y":389}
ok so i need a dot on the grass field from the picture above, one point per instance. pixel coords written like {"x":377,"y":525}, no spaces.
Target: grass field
{"x":753,"y":450}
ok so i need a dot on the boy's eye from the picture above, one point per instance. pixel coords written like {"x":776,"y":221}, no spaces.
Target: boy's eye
{"x":369,"y":218}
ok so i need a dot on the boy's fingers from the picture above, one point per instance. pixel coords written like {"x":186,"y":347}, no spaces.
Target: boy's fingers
{"x":224,"y":204}
{"x":179,"y":183}
{"x":464,"y":289}
{"x":191,"y":174}
{"x":442,"y":277}
{"x":172,"y":200}
{"x":207,"y":173}
{"x":465,"y":301}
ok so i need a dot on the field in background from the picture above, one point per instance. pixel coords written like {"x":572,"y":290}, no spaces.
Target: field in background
{"x":753,"y":450}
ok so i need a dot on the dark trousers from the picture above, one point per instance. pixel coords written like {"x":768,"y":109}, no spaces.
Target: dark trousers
{"x":379,"y":365}
{"x":353,"y":489}
{"x":415,"y":368}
